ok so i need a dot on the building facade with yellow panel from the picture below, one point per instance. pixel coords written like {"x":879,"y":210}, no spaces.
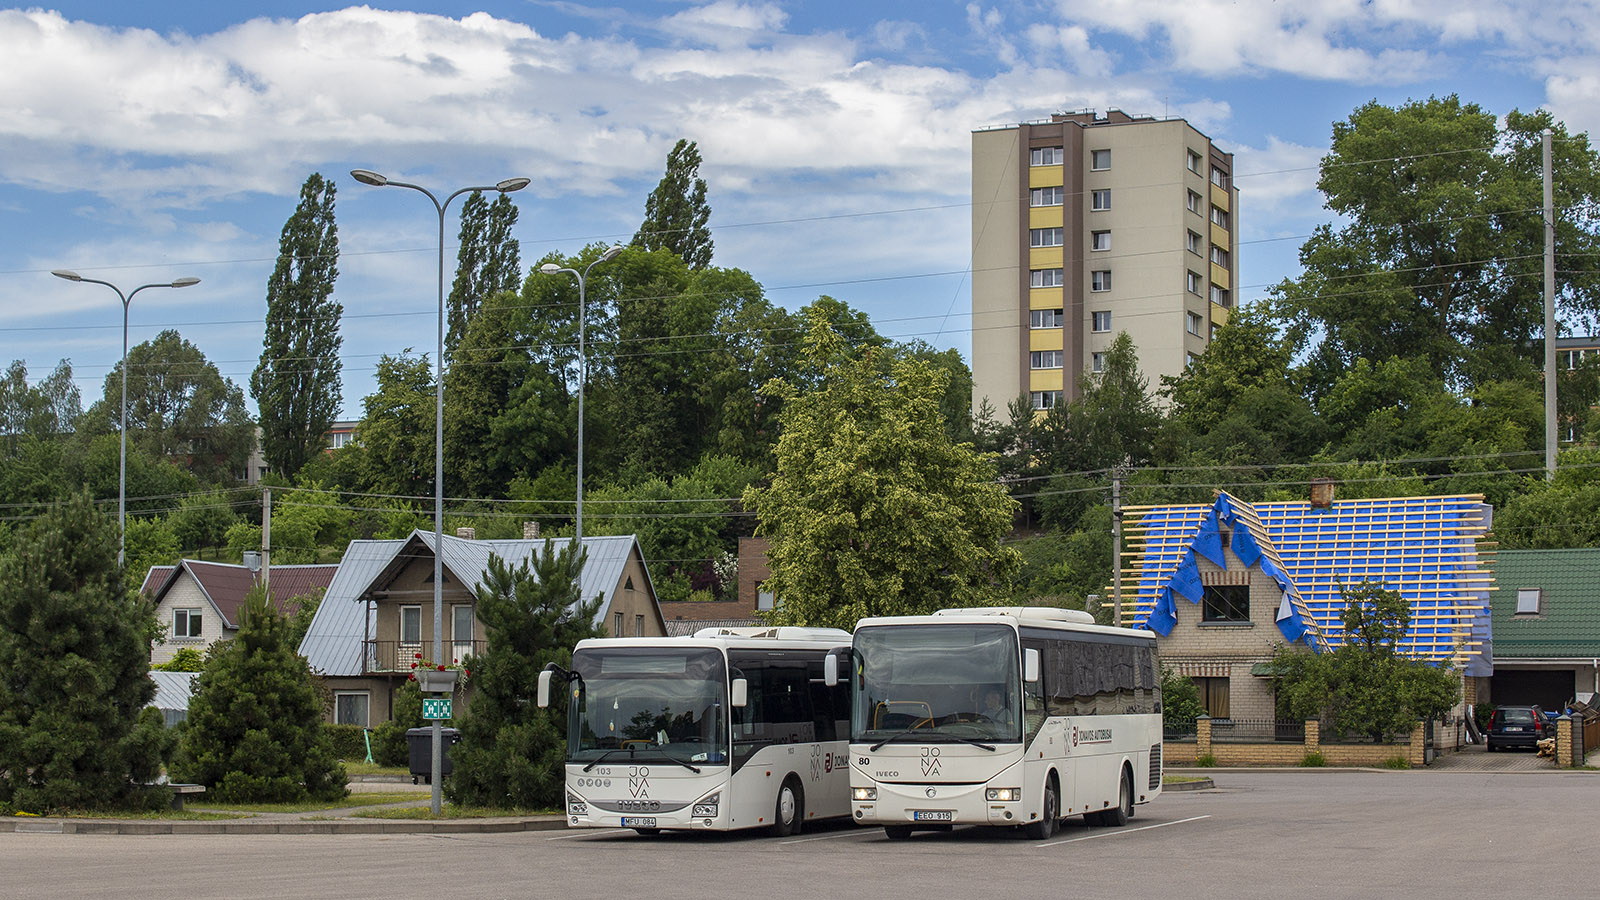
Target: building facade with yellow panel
{"x":1086,"y":226}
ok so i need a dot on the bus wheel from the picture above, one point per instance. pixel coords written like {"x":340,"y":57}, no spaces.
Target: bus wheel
{"x":1046,"y":826}
{"x":647,"y":832}
{"x":789,"y":814}
{"x":1119,"y":816}
{"x":897,"y":832}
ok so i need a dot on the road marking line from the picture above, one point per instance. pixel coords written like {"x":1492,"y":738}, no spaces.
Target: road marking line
{"x":565,"y":837}
{"x":827,"y":837}
{"x":1090,"y":837}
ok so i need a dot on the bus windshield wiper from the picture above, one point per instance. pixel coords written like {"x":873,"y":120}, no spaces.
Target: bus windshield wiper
{"x":632,"y":750}
{"x":910,"y":731}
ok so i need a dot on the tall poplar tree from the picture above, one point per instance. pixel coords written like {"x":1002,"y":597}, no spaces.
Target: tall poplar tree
{"x":676,"y":213}
{"x":296,"y":385}
{"x":489,"y":261}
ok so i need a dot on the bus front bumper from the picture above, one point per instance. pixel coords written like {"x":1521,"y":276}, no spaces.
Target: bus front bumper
{"x":933,"y":805}
{"x":585,"y":813}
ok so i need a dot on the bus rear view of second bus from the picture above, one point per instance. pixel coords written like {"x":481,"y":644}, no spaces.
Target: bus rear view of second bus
{"x":1010,"y":716}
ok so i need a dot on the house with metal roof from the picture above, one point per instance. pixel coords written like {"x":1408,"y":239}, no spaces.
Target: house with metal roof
{"x":1225,"y":584}
{"x":377,"y":616}
{"x":173,"y":691}
{"x":1546,"y":607}
{"x":200,"y":602}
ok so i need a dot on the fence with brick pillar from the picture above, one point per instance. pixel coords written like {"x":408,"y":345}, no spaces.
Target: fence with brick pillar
{"x":1229,"y":742}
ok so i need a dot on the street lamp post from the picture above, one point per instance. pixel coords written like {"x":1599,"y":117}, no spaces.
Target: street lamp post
{"x":583,"y":366}
{"x":122,"y":469}
{"x":505,"y":187}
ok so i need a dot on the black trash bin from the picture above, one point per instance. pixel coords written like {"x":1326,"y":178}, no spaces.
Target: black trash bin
{"x":419,"y":743}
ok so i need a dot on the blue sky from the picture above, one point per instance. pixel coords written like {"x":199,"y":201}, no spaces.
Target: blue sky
{"x":140,"y":142}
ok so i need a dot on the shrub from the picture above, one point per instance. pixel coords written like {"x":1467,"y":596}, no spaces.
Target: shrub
{"x":389,"y":746}
{"x":187,"y":659}
{"x":1397,"y":762}
{"x":347,"y":741}
{"x":1313,"y":760}
{"x":1206,"y":761}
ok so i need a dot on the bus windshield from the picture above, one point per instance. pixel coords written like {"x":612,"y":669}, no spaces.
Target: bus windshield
{"x":936,"y":683}
{"x":650,"y":701}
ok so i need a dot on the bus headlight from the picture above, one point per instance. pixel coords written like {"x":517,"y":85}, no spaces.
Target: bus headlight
{"x":866,"y":793}
{"x":1003,"y":794}
{"x":576,"y":807}
{"x":708,"y":805}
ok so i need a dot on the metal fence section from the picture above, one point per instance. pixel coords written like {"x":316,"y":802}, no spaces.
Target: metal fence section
{"x":394,"y":656}
{"x":1178,"y":731}
{"x":1250,"y":731}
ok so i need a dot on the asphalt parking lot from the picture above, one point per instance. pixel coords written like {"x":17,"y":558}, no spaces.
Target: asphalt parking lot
{"x":1259,"y":834}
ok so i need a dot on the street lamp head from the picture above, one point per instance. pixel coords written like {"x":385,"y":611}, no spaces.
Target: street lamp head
{"x":512,"y":184}
{"x":611,"y":253}
{"x":550,"y":269}
{"x":68,"y":274}
{"x":185,"y":281}
{"x":367,"y":176}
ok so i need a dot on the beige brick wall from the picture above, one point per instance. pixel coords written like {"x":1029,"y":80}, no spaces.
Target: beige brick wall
{"x":186,"y":594}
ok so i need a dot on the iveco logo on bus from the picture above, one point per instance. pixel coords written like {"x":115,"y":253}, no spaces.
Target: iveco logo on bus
{"x":1090,"y":736}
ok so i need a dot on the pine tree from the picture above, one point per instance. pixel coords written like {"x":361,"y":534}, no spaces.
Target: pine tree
{"x":511,"y":752}
{"x":255,"y":721}
{"x":75,"y":653}
{"x":489,"y":261}
{"x":296,"y":385}
{"x":675,"y":213}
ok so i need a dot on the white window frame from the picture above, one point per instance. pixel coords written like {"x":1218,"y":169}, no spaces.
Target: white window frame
{"x":616,"y":625}
{"x":1099,"y":241}
{"x":1045,"y":278}
{"x":1046,"y":156}
{"x":1100,"y":200}
{"x":1195,"y":206}
{"x":1220,"y":217}
{"x":1195,"y":244}
{"x":366,"y":700}
{"x":1045,"y":318}
{"x":1191,"y":282}
{"x":1044,"y":399}
{"x":638,"y":625}
{"x":1194,"y":162}
{"x":1099,"y":160}
{"x":1100,"y":281}
{"x":1219,"y":177}
{"x":1044,"y":237}
{"x":1044,"y":359}
{"x":1050,"y":195}
{"x":416,"y":611}
{"x":1097,"y":362}
{"x":1219,"y":256}
{"x":1193,"y":322}
{"x":1529,"y":601}
{"x":193,"y":622}
{"x":1100,"y":321}
{"x":1221,"y":296}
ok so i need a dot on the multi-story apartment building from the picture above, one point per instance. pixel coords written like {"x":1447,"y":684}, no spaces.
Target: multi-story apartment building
{"x":1086,"y":226}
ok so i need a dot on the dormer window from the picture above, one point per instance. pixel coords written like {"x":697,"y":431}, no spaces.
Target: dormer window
{"x":1528,"y":601}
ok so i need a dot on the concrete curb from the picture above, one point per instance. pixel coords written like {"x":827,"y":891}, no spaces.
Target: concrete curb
{"x":1204,"y":784}
{"x":248,"y":826}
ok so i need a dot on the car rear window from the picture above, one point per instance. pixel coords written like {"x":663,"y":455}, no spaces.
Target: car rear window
{"x":1517,"y":716}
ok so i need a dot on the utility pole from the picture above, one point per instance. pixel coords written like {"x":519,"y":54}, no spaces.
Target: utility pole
{"x":1116,"y":546}
{"x":266,"y":538}
{"x":1550,"y":437}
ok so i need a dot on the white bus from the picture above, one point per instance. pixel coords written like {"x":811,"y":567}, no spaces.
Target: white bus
{"x":1001,"y":716}
{"x":731,"y":728}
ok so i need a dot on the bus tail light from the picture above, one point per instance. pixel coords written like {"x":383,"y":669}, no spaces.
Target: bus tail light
{"x":1003,"y":794}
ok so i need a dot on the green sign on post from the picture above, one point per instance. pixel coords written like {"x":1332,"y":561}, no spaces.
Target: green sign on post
{"x":436,"y":708}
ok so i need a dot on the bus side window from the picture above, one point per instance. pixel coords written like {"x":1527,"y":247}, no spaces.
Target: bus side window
{"x":1034,"y":706}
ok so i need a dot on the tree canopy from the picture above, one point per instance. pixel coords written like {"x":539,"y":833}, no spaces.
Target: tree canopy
{"x":676,"y":214}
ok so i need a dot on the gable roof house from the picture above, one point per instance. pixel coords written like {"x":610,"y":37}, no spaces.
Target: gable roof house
{"x":1546,"y":606}
{"x":1224,"y":584}
{"x":377,"y":615}
{"x":200,"y":602}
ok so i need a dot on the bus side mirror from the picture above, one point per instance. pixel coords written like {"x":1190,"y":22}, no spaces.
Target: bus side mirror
{"x":1030,"y":666}
{"x":741,"y":693}
{"x":544,"y":689}
{"x":830,"y":670}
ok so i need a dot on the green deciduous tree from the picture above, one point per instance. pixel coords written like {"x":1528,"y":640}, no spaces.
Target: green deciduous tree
{"x":676,"y":213}
{"x":873,"y":510}
{"x":1365,"y":686}
{"x":255,"y":720}
{"x":75,"y":653}
{"x":396,"y":428}
{"x":150,"y":542}
{"x":296,"y":384}
{"x":488,"y":262}
{"x":511,"y":752}
{"x":202,"y":520}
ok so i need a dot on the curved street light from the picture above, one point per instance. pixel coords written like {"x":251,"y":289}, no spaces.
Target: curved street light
{"x":369,"y":177}
{"x":583,"y":362}
{"x":122,"y":468}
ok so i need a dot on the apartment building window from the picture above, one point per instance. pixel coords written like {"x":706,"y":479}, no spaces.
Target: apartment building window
{"x":1191,"y":282}
{"x":1046,"y":196}
{"x":1211,"y":334}
{"x":1194,"y":323}
{"x":1099,"y":159}
{"x":1044,"y":359}
{"x":1225,"y":603}
{"x":1192,"y":242}
{"x":1044,"y":399}
{"x":352,"y":708}
{"x":1044,"y":278}
{"x":1097,"y":363}
{"x":1221,"y":296}
{"x":411,"y":625}
{"x":1219,"y":177}
{"x":1190,"y":359}
{"x":1219,"y":256}
{"x":1045,"y":156}
{"x":1100,"y":240}
{"x":186,"y":623}
{"x":1220,"y":217}
{"x":1100,"y":320}
{"x":1194,"y":162}
{"x":1044,"y":237}
{"x":1194,"y":204}
{"x":1101,"y":199}
{"x":1044,"y":318}
{"x":1100,"y":280}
